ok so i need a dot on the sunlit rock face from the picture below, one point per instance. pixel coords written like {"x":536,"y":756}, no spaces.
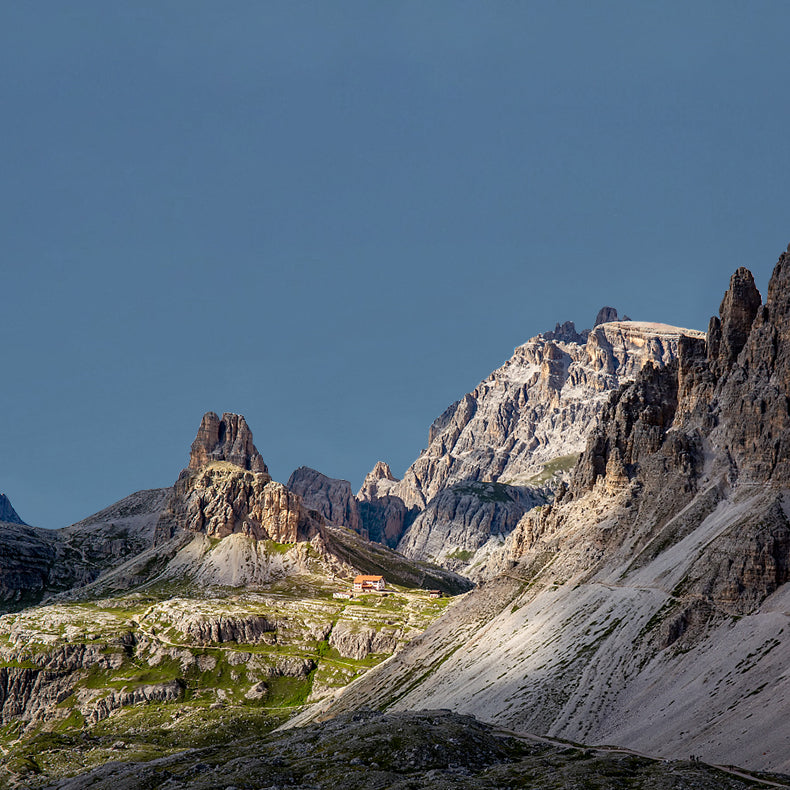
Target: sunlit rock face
{"x":540,"y":405}
{"x":227,"y":489}
{"x":646,"y":606}
{"x":227,"y":439}
{"x":536,"y":410}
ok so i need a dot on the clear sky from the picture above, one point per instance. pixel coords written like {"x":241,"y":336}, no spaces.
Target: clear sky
{"x":337,"y":217}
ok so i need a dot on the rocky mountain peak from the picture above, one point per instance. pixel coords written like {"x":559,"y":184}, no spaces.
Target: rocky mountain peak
{"x":384,"y":514}
{"x":605,"y":315}
{"x":566,"y":333}
{"x":521,"y":428}
{"x":377,"y":483}
{"x":220,"y":500}
{"x":382,"y":471}
{"x":671,"y":544}
{"x":554,"y":371}
{"x":7,"y":512}
{"x":727,"y":335}
{"x":779,"y":287}
{"x":332,"y":498}
{"x":227,"y":439}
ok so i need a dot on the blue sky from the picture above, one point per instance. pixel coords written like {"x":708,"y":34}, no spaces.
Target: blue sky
{"x":336,"y":218}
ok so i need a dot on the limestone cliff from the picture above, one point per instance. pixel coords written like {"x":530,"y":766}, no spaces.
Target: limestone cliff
{"x":221,"y":499}
{"x":523,"y":428}
{"x":332,"y":498}
{"x":227,"y":490}
{"x":227,"y":439}
{"x":520,"y":430}
{"x":540,"y":405}
{"x":647,"y":605}
{"x":464,"y":522}
{"x":384,"y":516}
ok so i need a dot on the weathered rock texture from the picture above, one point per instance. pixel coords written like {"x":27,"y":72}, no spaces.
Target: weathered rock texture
{"x":465,"y":518}
{"x":96,"y":710}
{"x":205,"y":630}
{"x":540,"y":405}
{"x":333,"y":499}
{"x":7,"y":512}
{"x":522,"y":427}
{"x":384,"y":516}
{"x":647,"y":605}
{"x":227,"y":490}
{"x":227,"y":439}
{"x":35,"y":562}
{"x":221,"y":499}
{"x":356,"y":641}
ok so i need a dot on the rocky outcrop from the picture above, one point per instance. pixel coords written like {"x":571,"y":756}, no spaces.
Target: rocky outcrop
{"x":97,"y":709}
{"x":28,"y":693}
{"x":221,"y":500}
{"x":227,"y":490}
{"x":7,"y":513}
{"x":605,"y":315}
{"x":332,"y":498}
{"x":269,"y":667}
{"x":384,"y":516}
{"x":728,"y":333}
{"x":38,"y":678}
{"x":358,"y":641}
{"x":749,"y":405}
{"x":464,"y":518}
{"x":227,"y":439}
{"x":204,"y":630}
{"x":633,"y":425}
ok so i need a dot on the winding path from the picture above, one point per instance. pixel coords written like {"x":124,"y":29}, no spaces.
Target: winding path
{"x":528,"y":736}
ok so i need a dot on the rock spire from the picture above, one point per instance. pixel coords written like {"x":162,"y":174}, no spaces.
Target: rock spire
{"x":227,"y":439}
{"x":219,"y":500}
{"x":7,"y":512}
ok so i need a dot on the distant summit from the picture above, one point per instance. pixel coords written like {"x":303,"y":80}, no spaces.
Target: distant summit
{"x":7,"y":512}
{"x":607,"y":315}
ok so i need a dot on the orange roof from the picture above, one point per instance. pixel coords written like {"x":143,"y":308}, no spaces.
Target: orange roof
{"x":368,"y":579}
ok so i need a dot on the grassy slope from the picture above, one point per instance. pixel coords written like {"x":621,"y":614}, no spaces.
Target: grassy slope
{"x":377,"y":559}
{"x":238,"y":689}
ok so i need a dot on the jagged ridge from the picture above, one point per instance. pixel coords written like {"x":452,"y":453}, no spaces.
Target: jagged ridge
{"x":647,"y":605}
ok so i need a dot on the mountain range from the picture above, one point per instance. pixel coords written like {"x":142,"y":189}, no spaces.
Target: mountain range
{"x":618,"y":495}
{"x":647,"y":605}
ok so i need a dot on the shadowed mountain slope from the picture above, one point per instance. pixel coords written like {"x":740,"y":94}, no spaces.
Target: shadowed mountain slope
{"x":648,"y":605}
